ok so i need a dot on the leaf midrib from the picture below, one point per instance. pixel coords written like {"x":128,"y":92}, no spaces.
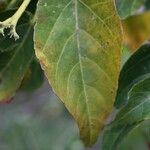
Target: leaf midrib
{"x":77,"y":28}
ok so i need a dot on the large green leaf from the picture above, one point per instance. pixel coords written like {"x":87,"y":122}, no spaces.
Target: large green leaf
{"x":135,"y":78}
{"x":130,"y":116}
{"x":15,"y":57}
{"x":128,"y":7}
{"x":137,"y":68}
{"x":79,"y":49}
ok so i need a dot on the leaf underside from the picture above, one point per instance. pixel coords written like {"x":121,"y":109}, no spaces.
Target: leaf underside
{"x":79,"y":49}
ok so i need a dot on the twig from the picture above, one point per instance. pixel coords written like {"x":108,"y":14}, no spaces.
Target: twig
{"x":12,"y":21}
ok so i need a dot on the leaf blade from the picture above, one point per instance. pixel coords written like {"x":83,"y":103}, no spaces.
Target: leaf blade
{"x":75,"y":57}
{"x":136,"y":69}
{"x":136,"y":96}
{"x":130,"y":116}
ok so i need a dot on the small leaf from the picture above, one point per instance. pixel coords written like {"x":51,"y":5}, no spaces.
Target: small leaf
{"x":128,"y":7}
{"x":15,"y":57}
{"x":137,"y":68}
{"x":79,"y":49}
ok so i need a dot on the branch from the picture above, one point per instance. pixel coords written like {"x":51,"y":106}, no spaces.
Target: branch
{"x":12,"y":21}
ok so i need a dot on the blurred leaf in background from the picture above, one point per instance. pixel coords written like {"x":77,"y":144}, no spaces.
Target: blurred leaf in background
{"x":128,"y":7}
{"x":126,"y":53}
{"x":136,"y":30}
{"x":147,"y":5}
